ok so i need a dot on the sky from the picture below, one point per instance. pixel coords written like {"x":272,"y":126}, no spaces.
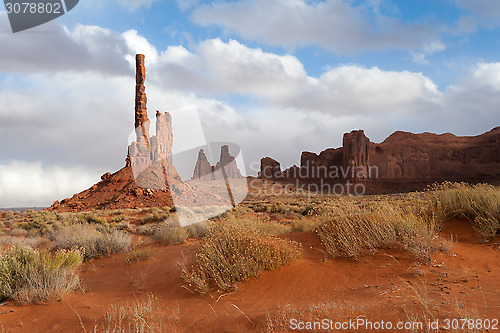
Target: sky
{"x":275,"y":77}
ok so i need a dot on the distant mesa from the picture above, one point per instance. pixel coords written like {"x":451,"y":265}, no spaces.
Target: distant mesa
{"x":403,"y":161}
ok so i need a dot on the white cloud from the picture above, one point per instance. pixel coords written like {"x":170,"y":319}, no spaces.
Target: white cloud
{"x":132,"y":5}
{"x":428,"y":50}
{"x":53,"y":48}
{"x":336,"y":25}
{"x":187,"y":4}
{"x":483,"y":8}
{"x":24,"y":184}
{"x":138,"y":44}
{"x":221,"y":68}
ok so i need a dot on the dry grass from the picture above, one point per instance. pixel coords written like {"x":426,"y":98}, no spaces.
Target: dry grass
{"x":169,"y":232}
{"x":31,"y":276}
{"x":233,"y":252}
{"x":479,"y":203}
{"x":92,"y":242}
{"x":142,"y":316}
{"x":353,"y":231}
{"x":423,"y":308}
{"x":138,"y":255}
{"x":284,"y":317}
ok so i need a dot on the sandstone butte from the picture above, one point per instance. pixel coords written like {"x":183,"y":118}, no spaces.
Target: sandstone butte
{"x":402,"y":162}
{"x":149,"y":177}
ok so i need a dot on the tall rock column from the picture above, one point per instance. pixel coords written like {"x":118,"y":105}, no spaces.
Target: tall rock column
{"x":355,"y":146}
{"x":141,"y":111}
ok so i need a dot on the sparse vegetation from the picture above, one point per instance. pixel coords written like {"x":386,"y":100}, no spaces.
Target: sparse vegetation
{"x":233,"y":252}
{"x":142,"y":316}
{"x":139,"y":255}
{"x":280,"y":320}
{"x":479,"y":203}
{"x":31,"y":276}
{"x":170,"y":234}
{"x":92,"y":242}
{"x":353,"y":231}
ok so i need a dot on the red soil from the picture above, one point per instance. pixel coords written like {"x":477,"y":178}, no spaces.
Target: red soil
{"x":376,"y":286}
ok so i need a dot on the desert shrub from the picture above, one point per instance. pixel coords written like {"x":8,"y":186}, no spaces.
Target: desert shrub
{"x":118,"y":218}
{"x":197,"y":230}
{"x":92,"y":242}
{"x":142,"y":316}
{"x":169,"y":234}
{"x":9,"y":214}
{"x":311,"y":211}
{"x":154,"y":214}
{"x":354,"y":231}
{"x":30,"y":276}
{"x":304,"y":224}
{"x":91,"y":218}
{"x":233,"y":252}
{"x":17,"y":231}
{"x":479,"y":203}
{"x":32,"y":242}
{"x":139,"y":255}
{"x":264,"y":224}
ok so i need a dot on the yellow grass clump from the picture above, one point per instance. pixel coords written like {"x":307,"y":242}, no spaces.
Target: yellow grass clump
{"x":353,"y":230}
{"x":479,"y":203}
{"x":233,"y":252}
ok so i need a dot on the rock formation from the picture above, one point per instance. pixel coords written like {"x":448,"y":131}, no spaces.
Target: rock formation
{"x":151,"y":158}
{"x":403,"y":158}
{"x":269,"y":168}
{"x":203,"y":170}
{"x":227,"y":164}
{"x":149,"y":177}
{"x":225,"y":168}
{"x":355,"y":146}
{"x":141,"y":111}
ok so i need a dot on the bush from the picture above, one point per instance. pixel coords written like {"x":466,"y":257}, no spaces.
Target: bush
{"x":90,"y":241}
{"x":168,"y":234}
{"x":30,"y":276}
{"x":233,"y":252}
{"x":479,"y":203}
{"x":139,"y":255}
{"x":354,"y":231}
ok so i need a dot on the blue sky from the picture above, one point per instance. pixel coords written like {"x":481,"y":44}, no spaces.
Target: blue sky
{"x":276,"y":77}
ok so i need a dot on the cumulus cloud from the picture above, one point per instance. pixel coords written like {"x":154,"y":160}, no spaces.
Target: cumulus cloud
{"x":428,"y":50}
{"x":221,"y":68}
{"x":53,"y":48}
{"x":478,"y":14}
{"x":336,"y":25}
{"x":24,"y":184}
